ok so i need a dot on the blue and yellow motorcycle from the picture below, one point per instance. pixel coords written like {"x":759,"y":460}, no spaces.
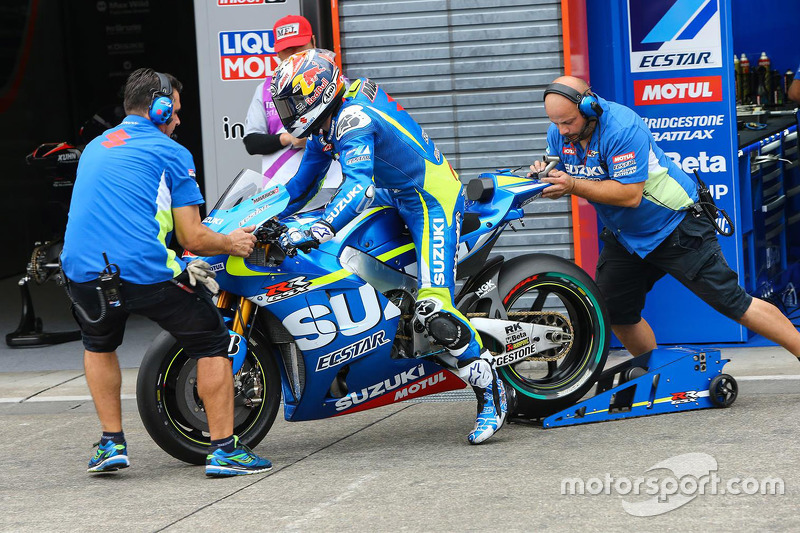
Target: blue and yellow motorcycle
{"x":332,"y":331}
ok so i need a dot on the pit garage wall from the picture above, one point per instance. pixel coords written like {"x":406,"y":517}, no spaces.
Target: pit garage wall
{"x":472,"y":72}
{"x":234,"y":54}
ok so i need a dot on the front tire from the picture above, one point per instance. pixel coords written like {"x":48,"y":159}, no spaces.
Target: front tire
{"x":171,"y":410}
{"x":549,"y":283}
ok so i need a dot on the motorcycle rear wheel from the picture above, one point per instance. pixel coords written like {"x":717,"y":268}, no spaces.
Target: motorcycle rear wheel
{"x":550,"y":283}
{"x":173,"y":414}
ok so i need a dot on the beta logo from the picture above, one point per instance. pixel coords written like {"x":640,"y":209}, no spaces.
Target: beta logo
{"x":675,"y":35}
{"x":247,"y":55}
{"x":678,"y":90}
{"x":703,"y":162}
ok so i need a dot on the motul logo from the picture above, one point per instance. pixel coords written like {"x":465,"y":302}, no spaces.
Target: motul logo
{"x":624,"y":157}
{"x":678,"y":90}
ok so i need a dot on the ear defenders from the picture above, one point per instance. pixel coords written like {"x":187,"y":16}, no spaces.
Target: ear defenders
{"x":160,"y":111}
{"x":587,"y":102}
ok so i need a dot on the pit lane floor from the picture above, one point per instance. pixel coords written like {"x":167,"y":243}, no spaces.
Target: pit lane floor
{"x":405,"y":467}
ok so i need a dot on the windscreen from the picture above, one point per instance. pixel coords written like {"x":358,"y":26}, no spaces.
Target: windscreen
{"x":247,"y":184}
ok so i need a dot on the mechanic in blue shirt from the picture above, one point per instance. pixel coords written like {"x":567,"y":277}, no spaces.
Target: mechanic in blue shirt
{"x":608,"y":156}
{"x":134,"y":187}
{"x":388,"y":159}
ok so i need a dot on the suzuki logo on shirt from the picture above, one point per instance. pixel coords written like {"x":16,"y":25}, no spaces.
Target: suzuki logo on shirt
{"x":678,"y":90}
{"x":584,"y":171}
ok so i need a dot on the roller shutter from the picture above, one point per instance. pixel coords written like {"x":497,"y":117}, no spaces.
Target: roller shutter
{"x":472,"y":72}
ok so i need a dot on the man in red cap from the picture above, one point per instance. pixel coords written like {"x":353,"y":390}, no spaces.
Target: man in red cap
{"x":264,"y":134}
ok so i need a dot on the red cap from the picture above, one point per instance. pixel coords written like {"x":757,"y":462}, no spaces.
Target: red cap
{"x":291,"y":31}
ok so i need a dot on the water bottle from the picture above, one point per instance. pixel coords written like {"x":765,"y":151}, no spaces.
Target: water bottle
{"x":764,"y":79}
{"x":744,"y":63}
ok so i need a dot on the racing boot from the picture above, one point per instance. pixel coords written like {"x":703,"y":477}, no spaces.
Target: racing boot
{"x":492,"y":409}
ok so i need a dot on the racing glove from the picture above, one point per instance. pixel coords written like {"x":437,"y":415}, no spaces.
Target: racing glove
{"x":199,"y":270}
{"x":307,"y":236}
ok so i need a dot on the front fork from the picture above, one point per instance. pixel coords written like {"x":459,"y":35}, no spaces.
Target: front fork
{"x":242,"y":315}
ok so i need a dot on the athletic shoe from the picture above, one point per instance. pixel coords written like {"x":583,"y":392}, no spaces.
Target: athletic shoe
{"x":241,"y":461}
{"x":492,"y":408}
{"x":109,"y":457}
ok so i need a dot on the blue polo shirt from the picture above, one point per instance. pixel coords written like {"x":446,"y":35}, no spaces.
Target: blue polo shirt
{"x":129,"y":179}
{"x":622,"y":148}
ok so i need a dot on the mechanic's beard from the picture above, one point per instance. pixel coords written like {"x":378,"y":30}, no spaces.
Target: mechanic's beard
{"x":585,"y":133}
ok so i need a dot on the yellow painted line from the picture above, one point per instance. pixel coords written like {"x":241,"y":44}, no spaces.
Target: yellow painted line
{"x":397,"y":125}
{"x":237,"y":267}
{"x":508,"y":180}
{"x":391,"y":254}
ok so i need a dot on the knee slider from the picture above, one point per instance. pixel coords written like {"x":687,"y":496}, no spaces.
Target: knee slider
{"x":442,"y":326}
{"x":448,"y":331}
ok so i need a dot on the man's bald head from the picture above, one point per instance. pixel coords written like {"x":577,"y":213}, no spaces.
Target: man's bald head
{"x":570,"y":81}
{"x":564,"y":112}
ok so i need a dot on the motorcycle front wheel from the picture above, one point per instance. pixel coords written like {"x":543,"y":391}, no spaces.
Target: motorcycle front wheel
{"x":173,"y":413}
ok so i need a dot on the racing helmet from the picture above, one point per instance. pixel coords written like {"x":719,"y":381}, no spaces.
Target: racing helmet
{"x":306,"y":88}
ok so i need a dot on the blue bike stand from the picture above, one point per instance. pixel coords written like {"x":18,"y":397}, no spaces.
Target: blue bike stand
{"x":662,"y":381}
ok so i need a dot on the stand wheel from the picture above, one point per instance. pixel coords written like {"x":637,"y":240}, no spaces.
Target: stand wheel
{"x":722,"y":390}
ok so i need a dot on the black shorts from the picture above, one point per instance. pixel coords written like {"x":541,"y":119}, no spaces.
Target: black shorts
{"x":192,"y":319}
{"x":691,"y":254}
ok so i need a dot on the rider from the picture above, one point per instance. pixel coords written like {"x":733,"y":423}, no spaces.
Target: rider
{"x":379,"y":145}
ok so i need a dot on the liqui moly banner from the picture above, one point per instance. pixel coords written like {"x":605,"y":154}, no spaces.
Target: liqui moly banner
{"x":235,"y":52}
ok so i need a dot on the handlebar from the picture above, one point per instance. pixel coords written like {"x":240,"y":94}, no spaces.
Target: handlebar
{"x":270,"y":233}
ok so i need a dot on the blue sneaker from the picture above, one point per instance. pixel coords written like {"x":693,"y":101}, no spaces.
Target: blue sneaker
{"x":109,"y":457}
{"x":241,"y":461}
{"x":492,"y":408}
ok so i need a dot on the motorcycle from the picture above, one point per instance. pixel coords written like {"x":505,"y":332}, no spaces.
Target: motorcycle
{"x":332,"y":331}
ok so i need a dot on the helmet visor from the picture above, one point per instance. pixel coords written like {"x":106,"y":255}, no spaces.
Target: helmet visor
{"x":289,"y":109}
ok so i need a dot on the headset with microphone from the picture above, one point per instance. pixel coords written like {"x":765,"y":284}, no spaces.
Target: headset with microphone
{"x":160,"y":111}
{"x":586,"y":101}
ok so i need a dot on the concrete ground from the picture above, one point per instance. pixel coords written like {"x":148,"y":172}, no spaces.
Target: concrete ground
{"x":405,"y":467}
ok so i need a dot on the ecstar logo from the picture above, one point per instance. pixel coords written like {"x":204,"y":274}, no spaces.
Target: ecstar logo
{"x":674,"y":35}
{"x":678,"y":90}
{"x":247,"y":55}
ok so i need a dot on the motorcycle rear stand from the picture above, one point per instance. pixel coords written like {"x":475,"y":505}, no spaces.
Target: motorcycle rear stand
{"x":669,"y":380}
{"x":29,"y":332}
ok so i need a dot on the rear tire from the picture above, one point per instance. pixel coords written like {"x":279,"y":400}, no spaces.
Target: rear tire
{"x":172,"y":413}
{"x":543,"y":282}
